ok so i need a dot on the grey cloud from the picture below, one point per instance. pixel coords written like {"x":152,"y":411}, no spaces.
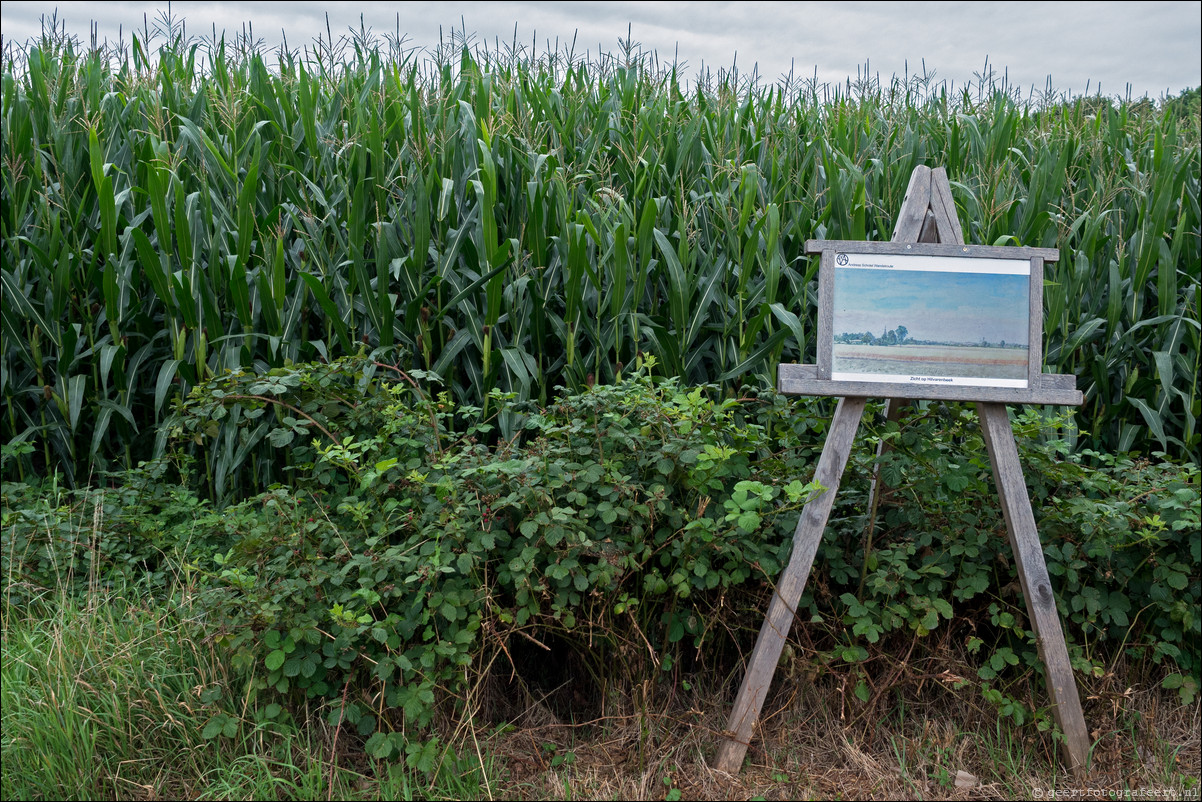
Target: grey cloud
{"x":1155,"y":46}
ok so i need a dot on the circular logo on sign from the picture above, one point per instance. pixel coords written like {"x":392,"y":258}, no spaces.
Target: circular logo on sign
{"x":841,"y":258}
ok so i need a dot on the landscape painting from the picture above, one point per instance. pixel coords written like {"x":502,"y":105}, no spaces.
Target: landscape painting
{"x":938,"y":320}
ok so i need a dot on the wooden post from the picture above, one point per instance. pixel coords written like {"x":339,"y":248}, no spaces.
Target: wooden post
{"x":927,"y":215}
{"x":792,"y":583}
{"x":1037,"y":589}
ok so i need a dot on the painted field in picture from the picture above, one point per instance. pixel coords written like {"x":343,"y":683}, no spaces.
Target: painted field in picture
{"x":931,"y":320}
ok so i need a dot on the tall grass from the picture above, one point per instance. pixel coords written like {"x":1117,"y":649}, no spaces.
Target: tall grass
{"x":103,"y":700}
{"x":112,"y":694}
{"x":515,"y":221}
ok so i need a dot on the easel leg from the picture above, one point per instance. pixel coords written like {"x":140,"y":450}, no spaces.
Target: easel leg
{"x":776,"y":625}
{"x":1037,"y":589}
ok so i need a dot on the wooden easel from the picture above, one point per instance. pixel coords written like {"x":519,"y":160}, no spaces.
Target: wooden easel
{"x":927,"y":216}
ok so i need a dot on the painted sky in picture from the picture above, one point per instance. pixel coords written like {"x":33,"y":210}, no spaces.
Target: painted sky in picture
{"x":936,"y":306}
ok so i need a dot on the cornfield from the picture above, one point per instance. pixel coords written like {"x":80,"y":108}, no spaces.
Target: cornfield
{"x":518,"y":222}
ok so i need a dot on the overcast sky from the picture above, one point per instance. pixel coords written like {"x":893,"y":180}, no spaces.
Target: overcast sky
{"x":1147,"y":48}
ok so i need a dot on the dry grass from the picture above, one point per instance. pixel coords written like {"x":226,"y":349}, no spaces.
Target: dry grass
{"x":817,"y":741}
{"x":570,"y":740}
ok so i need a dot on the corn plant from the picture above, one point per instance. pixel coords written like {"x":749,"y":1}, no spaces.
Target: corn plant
{"x":507,"y":220}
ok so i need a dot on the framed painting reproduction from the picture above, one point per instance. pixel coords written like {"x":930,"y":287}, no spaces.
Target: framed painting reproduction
{"x":920,"y":320}
{"x":930,"y":319}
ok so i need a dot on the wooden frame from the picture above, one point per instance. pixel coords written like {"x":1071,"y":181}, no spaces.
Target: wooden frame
{"x":927,"y":215}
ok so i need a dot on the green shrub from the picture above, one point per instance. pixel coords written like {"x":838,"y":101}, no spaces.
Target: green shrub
{"x":628,"y":525}
{"x":618,"y":516}
{"x":1118,"y":534}
{"x":139,"y":529}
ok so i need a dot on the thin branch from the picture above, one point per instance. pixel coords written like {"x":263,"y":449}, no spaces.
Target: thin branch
{"x":285,"y":404}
